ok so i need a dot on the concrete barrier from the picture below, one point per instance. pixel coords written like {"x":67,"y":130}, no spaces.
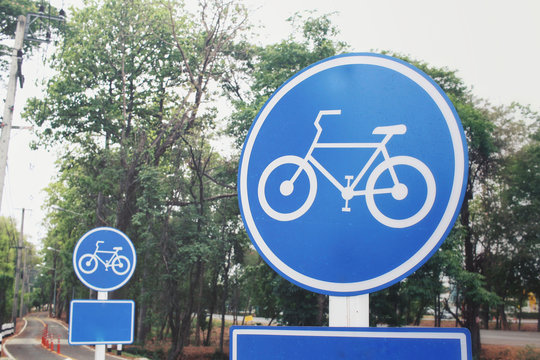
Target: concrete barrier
{"x":5,"y":331}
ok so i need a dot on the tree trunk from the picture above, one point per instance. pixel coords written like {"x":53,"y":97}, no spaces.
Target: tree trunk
{"x":457,"y":306}
{"x":520,"y":313}
{"x":222,"y":330}
{"x":471,"y":311}
{"x":486,"y":316}
{"x":503,"y":324}
{"x":224,"y":302}
{"x":471,"y":323}
{"x":141,"y":328}
{"x":162,"y":329}
{"x":180,"y":333}
{"x":212,"y":309}
{"x":175,"y":329}
{"x":437,"y":310}
{"x":538,"y":321}
{"x":181,"y":336}
{"x":209,"y":329}
{"x":321,"y":300}
{"x":199,"y":307}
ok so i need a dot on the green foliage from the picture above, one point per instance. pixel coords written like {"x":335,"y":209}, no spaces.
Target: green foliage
{"x":130,"y":99}
{"x":219,"y":356}
{"x":6,"y":296}
{"x":135,"y":101}
{"x":8,"y":258}
{"x":274,"y":64}
{"x":521,"y":174}
{"x":9,"y":13}
{"x":105,"y":90}
{"x":261,"y":282}
{"x":148,"y":354}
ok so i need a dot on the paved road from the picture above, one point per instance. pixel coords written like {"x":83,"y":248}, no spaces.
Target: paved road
{"x":514,"y":338}
{"x":497,"y":337}
{"x":27,"y":345}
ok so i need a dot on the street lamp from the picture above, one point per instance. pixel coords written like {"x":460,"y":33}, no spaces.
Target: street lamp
{"x":59,"y":208}
{"x":54,"y":279}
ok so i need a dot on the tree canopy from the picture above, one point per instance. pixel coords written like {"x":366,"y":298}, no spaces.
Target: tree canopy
{"x":143,"y":94}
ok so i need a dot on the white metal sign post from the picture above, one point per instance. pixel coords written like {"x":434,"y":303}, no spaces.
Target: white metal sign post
{"x":351,"y":177}
{"x":104,"y":260}
{"x":101,"y":348}
{"x":349,"y":311}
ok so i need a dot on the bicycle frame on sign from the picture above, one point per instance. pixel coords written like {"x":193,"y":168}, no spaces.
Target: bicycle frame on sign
{"x":380,"y":147}
{"x":108,"y":262}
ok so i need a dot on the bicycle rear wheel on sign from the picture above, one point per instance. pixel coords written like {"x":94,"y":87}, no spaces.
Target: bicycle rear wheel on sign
{"x":88,"y":263}
{"x":287,"y":187}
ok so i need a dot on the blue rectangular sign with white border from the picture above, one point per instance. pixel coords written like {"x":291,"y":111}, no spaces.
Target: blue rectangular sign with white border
{"x":318,"y":343}
{"x":95,"y":322}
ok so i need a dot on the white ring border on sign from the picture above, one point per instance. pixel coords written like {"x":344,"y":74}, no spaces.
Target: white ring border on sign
{"x":76,"y":268}
{"x":453,"y":203}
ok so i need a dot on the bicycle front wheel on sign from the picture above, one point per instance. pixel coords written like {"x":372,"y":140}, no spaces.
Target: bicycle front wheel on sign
{"x":352,"y":174}
{"x":411,"y":208}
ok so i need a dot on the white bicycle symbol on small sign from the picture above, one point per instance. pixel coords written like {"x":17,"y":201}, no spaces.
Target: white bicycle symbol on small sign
{"x":398,"y":190}
{"x":88,"y":263}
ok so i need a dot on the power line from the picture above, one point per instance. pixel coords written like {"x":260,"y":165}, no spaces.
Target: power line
{"x":24,"y":32}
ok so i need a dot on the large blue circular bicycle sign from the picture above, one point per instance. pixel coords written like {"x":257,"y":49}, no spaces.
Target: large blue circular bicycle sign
{"x":352,"y":174}
{"x":104,"y":259}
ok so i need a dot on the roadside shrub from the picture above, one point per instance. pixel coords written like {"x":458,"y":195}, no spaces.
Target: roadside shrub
{"x":529,"y":353}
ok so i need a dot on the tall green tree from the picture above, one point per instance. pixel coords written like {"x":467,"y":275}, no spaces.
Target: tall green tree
{"x":313,"y":39}
{"x":522,"y":198}
{"x":131,"y":100}
{"x":8,"y":258}
{"x":479,"y":129}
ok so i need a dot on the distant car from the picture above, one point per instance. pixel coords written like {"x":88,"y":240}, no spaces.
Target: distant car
{"x":446,"y":315}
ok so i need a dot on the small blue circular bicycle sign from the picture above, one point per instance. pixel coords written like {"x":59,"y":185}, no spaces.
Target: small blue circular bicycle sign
{"x":104,"y":259}
{"x":352,"y":174}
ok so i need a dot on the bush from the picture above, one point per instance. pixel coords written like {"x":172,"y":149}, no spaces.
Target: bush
{"x":152,"y":355}
{"x":529,"y":353}
{"x":219,"y":356}
{"x":531,"y":315}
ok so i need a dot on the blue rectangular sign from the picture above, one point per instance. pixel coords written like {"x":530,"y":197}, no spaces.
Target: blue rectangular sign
{"x":322,"y":343}
{"x":101,"y":322}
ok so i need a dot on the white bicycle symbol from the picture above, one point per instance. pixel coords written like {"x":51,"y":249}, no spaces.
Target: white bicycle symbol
{"x":399,"y":191}
{"x":120,"y":264}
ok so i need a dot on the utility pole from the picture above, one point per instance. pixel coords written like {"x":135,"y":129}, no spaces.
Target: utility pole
{"x":14,"y":74}
{"x":23,"y":32}
{"x":24,"y":276}
{"x":17,"y":273}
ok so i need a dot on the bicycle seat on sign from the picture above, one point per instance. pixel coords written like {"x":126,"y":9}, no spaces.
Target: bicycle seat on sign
{"x":118,"y":248}
{"x":390,"y":130}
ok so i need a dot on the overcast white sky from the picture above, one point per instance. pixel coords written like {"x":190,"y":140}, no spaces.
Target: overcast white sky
{"x":493,"y":44}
